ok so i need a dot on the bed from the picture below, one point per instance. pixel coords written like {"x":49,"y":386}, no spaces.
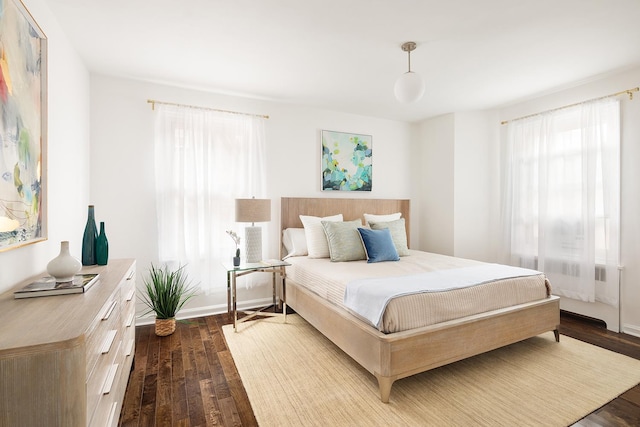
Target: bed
{"x":390,"y":356}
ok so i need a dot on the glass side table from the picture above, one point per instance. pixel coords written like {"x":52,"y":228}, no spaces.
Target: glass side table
{"x":275,"y":267}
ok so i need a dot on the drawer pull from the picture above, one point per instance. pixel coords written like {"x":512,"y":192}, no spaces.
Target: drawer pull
{"x":108,"y":341}
{"x":129,"y":348}
{"x":114,"y":406}
{"x":131,"y":294}
{"x":110,"y":310}
{"x":133,"y":273}
{"x":130,"y":320}
{"x":111,"y":376}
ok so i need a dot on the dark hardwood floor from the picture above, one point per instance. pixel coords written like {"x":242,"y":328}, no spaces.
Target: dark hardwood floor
{"x":189,"y":378}
{"x":624,"y":410}
{"x":186,"y":379}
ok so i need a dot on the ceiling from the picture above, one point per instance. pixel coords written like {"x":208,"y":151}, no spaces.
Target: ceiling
{"x":345,"y":55}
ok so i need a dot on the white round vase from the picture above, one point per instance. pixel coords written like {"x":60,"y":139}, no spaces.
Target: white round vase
{"x":64,"y":266}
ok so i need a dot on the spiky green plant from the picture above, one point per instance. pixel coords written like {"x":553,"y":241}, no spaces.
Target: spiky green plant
{"x":167,"y":291}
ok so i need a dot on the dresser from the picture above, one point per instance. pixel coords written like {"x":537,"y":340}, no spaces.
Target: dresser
{"x":65,"y":359}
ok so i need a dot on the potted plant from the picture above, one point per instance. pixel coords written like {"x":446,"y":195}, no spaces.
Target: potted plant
{"x":236,"y":240}
{"x":166,"y":292}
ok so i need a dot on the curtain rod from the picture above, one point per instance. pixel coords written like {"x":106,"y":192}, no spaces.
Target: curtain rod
{"x":628,"y":92}
{"x":154,"y":102}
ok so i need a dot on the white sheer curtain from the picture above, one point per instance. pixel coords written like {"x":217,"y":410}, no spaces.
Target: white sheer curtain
{"x":561,"y":198}
{"x":204,"y":160}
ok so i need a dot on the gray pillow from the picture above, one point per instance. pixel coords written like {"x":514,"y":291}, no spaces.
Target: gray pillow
{"x":398,"y":234}
{"x":344,"y":240}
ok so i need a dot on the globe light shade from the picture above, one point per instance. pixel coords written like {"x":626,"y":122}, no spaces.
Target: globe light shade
{"x":409,"y":87}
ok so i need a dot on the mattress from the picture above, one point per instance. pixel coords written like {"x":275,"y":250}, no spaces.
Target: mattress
{"x":329,"y":280}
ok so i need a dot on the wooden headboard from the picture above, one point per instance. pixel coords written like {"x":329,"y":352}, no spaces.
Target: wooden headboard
{"x":292,"y":207}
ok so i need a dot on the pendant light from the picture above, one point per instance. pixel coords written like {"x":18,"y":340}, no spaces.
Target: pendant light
{"x":409,"y":87}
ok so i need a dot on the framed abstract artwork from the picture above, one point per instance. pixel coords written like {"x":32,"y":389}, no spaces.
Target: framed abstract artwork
{"x":346,"y":161}
{"x":23,"y":124}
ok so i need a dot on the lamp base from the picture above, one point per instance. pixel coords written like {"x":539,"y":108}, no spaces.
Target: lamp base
{"x":253,"y":244}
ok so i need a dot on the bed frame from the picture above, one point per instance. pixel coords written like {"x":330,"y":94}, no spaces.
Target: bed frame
{"x":393,"y":356}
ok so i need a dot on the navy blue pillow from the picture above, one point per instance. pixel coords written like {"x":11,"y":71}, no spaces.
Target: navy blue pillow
{"x":378,"y":244}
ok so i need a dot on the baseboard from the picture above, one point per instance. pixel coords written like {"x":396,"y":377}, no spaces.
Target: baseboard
{"x":631,"y":330}
{"x":597,"y":310}
{"x":190,"y":313}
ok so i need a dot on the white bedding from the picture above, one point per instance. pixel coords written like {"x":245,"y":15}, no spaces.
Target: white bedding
{"x":329,"y":280}
{"x":369,"y":297}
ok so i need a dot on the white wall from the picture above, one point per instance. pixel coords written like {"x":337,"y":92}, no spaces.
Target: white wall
{"x":475,"y":176}
{"x":456,"y":166}
{"x":433,"y":171}
{"x":68,"y":151}
{"x":122,"y":186}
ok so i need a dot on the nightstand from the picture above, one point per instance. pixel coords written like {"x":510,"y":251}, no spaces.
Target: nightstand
{"x":275,"y":267}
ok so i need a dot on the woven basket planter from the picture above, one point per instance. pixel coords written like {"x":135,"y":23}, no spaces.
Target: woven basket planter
{"x":165,"y":327}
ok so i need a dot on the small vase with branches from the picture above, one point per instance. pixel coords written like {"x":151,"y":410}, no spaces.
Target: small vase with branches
{"x":236,"y":240}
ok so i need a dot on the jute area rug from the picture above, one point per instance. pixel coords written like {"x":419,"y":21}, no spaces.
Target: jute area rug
{"x":294,"y":376}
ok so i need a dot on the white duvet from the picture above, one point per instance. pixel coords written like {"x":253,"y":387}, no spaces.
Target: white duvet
{"x":329,"y":280}
{"x":369,"y":297}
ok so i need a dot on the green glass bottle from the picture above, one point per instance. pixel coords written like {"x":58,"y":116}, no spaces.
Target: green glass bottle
{"x":102,"y":247}
{"x":89,"y":239}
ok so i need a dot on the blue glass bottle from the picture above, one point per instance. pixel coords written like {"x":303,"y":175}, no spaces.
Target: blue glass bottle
{"x":102,"y":247}
{"x":89,"y":239}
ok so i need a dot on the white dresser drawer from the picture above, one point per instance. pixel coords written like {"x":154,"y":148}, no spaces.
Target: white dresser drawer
{"x":108,"y":320}
{"x":110,"y":401}
{"x":102,"y":378}
{"x":128,"y":294}
{"x":128,"y":288}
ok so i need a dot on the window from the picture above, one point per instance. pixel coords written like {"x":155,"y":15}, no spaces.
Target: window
{"x":561,"y":198}
{"x":204,"y":160}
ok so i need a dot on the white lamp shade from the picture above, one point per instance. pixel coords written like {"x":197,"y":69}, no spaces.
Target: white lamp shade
{"x":409,"y":87}
{"x":253,"y":210}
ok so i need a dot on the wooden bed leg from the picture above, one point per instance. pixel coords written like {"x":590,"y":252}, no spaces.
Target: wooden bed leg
{"x":384,"y":384}
{"x":556,"y":332}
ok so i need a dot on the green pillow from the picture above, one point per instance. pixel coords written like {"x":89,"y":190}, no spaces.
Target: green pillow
{"x":344,"y":241}
{"x":398,"y":234}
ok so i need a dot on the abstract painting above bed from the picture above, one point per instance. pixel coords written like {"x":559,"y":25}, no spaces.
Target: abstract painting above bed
{"x":346,"y":161}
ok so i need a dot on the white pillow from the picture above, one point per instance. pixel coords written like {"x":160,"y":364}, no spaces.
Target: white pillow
{"x":295,"y":242}
{"x":381,"y":218}
{"x":317,"y":245}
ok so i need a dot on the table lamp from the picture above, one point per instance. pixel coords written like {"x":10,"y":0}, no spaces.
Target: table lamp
{"x":253,"y":210}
